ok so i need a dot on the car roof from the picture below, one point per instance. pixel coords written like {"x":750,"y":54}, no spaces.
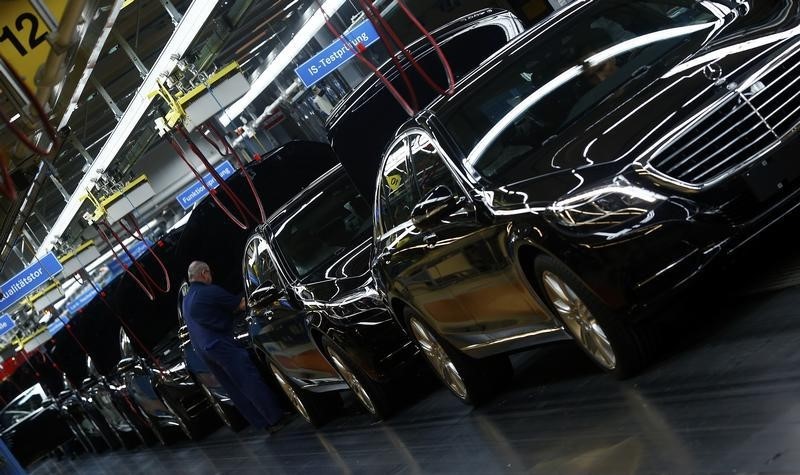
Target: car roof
{"x":472,"y":81}
{"x":373,"y":84}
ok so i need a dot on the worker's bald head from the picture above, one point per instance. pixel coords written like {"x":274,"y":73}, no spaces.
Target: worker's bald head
{"x":199,"y":272}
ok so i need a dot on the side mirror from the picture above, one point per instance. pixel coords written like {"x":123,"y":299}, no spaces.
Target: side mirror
{"x":125,"y":364}
{"x":265,"y":294}
{"x":434,"y":207}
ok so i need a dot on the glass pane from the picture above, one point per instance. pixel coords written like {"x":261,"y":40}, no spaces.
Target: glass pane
{"x":396,"y":190}
{"x":427,"y":165}
{"x":329,"y":224}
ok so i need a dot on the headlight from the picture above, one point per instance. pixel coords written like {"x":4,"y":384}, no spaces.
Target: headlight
{"x":606,"y":206}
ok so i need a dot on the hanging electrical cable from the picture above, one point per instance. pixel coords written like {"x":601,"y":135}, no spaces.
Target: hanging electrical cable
{"x":102,"y":294}
{"x":410,"y":106}
{"x":47,"y":127}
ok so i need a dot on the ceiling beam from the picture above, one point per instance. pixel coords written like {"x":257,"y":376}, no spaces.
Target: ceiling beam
{"x":182,"y":37}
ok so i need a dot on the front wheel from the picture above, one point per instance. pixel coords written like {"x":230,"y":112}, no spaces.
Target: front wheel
{"x":229,"y":415}
{"x":371,"y":394}
{"x":472,"y":381}
{"x":616,"y":346}
{"x":316,"y":408}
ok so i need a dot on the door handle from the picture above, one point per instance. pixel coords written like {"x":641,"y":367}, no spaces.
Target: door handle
{"x":430,"y":239}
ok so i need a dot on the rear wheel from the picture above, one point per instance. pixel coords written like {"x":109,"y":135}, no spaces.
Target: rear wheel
{"x":472,"y":381}
{"x":616,"y":346}
{"x":190,"y":427}
{"x":229,"y":415}
{"x":370,"y":393}
{"x":316,"y":408}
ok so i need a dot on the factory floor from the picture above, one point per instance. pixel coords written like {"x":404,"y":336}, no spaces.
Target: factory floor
{"x":722,"y":397}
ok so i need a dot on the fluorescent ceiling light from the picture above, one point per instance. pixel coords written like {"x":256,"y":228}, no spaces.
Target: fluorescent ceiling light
{"x":277,"y":65}
{"x":178,"y":43}
{"x":16,"y":116}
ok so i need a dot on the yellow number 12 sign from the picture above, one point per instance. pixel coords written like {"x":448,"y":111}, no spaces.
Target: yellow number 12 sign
{"x":23,"y":35}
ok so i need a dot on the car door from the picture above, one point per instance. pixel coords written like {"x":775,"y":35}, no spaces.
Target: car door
{"x":471,"y":258}
{"x":415,"y":270}
{"x":278,"y":328}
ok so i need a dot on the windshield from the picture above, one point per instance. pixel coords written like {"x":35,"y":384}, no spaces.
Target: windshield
{"x":554,"y":79}
{"x":333,"y":221}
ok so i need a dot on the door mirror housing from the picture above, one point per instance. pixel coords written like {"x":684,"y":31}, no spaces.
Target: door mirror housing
{"x":125,"y":365}
{"x":265,"y":294}
{"x":439,"y":203}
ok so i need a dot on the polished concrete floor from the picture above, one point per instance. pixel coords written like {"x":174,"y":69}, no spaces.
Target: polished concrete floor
{"x":723,"y":397}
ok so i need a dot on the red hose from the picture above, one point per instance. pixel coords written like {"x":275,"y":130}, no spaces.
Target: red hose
{"x":8,"y":189}
{"x":48,"y":127}
{"x":147,"y":275}
{"x":242,"y":223}
{"x":142,"y":285}
{"x":411,"y":58}
{"x":411,"y":111}
{"x":127,"y":328}
{"x":262,"y":213}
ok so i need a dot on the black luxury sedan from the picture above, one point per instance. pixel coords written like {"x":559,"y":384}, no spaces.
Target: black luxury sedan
{"x":307,"y":277}
{"x":589,"y":169}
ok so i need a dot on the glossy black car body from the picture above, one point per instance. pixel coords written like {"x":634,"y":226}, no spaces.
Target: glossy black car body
{"x":33,"y":425}
{"x":307,"y":278}
{"x":115,"y":406}
{"x":465,"y":42}
{"x":596,"y":164}
{"x":166,"y":392}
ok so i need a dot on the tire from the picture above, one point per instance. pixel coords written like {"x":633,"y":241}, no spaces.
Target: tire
{"x":190,"y":427}
{"x":316,"y":408}
{"x":618,"y":347}
{"x":229,"y":415}
{"x":136,"y":422}
{"x":371,"y":394}
{"x":472,"y":381}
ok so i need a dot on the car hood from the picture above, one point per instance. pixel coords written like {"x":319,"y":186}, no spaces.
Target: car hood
{"x":622,"y":135}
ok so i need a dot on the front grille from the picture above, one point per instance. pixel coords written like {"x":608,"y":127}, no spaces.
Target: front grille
{"x":740,"y":128}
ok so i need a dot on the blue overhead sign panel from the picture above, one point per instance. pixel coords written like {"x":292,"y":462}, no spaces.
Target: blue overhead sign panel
{"x":57,"y":325}
{"x":6,"y":324}
{"x":82,"y":300}
{"x":338,"y":53}
{"x":24,"y":283}
{"x":197,"y":191}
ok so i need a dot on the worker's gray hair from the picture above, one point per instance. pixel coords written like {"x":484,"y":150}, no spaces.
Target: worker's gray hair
{"x":196,"y":268}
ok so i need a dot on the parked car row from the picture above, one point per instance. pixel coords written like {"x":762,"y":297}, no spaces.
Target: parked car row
{"x":584,"y":171}
{"x":579,"y":176}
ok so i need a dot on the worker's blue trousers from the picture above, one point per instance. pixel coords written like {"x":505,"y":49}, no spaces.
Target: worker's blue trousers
{"x":240,"y":378}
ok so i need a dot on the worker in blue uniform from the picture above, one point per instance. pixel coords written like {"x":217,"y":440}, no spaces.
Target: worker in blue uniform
{"x":208,"y":310}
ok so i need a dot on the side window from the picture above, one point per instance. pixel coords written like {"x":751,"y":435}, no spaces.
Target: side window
{"x":397,"y":196}
{"x":427,"y":166}
{"x":257,"y":265}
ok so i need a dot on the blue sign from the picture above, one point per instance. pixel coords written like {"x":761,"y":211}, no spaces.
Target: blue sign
{"x":29,"y":280}
{"x":6,"y":324}
{"x":197,"y":191}
{"x":81,"y":300}
{"x":57,"y":324}
{"x":338,"y":53}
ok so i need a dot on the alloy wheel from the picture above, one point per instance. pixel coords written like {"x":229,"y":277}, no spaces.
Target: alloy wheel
{"x":579,"y":320}
{"x":290,"y":392}
{"x":353,"y":381}
{"x":439,"y":359}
